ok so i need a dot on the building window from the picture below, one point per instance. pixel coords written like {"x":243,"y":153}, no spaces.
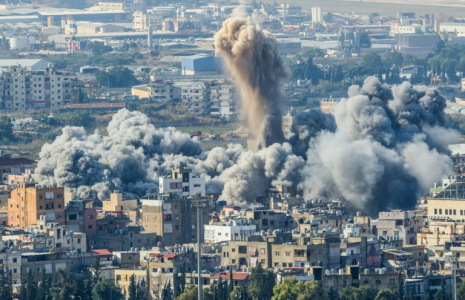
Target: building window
{"x":440,"y":211}
{"x":288,"y":253}
{"x":450,"y":212}
{"x":15,"y":260}
{"x":276,"y":253}
{"x":91,"y":217}
{"x":90,"y":227}
{"x":455,"y":212}
{"x":446,"y":211}
{"x":435,"y":211}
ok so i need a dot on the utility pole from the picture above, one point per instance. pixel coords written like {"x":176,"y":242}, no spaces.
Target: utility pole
{"x":453,"y":261}
{"x":197,"y":202}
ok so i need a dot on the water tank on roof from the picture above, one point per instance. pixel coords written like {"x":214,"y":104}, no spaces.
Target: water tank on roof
{"x":366,"y":271}
{"x":341,"y":271}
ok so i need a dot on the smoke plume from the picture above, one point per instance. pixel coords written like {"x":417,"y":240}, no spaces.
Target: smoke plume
{"x":381,"y":149}
{"x":252,"y":56}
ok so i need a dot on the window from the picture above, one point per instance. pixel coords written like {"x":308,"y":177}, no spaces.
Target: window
{"x":288,"y":253}
{"x":435,"y":211}
{"x":378,"y":282}
{"x":277,"y":253}
{"x":15,"y":260}
{"x":284,"y":265}
{"x":197,"y":185}
{"x":446,"y":211}
{"x":450,"y":212}
{"x":15,"y":270}
{"x":90,"y":226}
{"x":233,"y":249}
{"x":242,"y":249}
{"x":455,"y":212}
{"x":440,"y":211}
{"x":233,"y":261}
{"x":90,"y":217}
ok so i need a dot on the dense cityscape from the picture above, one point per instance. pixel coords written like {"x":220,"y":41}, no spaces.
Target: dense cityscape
{"x":232,"y":151}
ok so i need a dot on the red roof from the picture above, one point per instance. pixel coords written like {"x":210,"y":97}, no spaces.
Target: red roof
{"x":236,"y":275}
{"x":102,"y":252}
{"x":94,"y":105}
{"x":169,"y":255}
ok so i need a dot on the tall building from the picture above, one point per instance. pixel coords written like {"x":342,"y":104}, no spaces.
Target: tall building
{"x":25,"y":89}
{"x":28,"y":202}
{"x":317,"y":15}
{"x":172,"y":217}
{"x":182,"y":181}
{"x":195,"y":97}
{"x":223,"y":100}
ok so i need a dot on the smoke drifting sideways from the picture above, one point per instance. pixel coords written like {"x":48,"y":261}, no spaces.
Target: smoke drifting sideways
{"x":251,"y":54}
{"x":382,"y":149}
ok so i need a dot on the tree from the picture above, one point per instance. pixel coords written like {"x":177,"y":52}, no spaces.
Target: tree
{"x":132,"y":288}
{"x":105,"y":289}
{"x":6,"y":129}
{"x":167,"y":292}
{"x":386,"y":294}
{"x":391,"y":58}
{"x":6,"y":287}
{"x":142,"y":290}
{"x":371,"y":63}
{"x":442,"y":294}
{"x":97,"y":270}
{"x":365,"y":40}
{"x":261,"y":284}
{"x":118,"y":76}
{"x":190,"y":293}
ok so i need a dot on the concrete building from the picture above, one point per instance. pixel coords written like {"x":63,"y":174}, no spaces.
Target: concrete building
{"x":317,"y":15}
{"x":328,"y":105}
{"x":25,"y":89}
{"x":123,"y":278}
{"x":96,"y":28}
{"x":11,"y":260}
{"x":223,"y":100}
{"x":182,"y":181}
{"x":403,"y":225}
{"x":127,"y":259}
{"x":195,"y":97}
{"x":28,"y":202}
{"x":119,"y":203}
{"x":171,"y":217}
{"x":14,"y":166}
{"x":122,"y":239}
{"x":454,"y":28}
{"x":166,"y":264}
{"x":28,"y":64}
{"x":233,"y":230}
{"x":159,"y":91}
{"x":201,"y":65}
{"x":416,"y":44}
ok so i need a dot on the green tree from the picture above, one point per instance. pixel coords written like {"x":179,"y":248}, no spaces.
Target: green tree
{"x":371,"y":63}
{"x":105,"y":290}
{"x":190,"y":293}
{"x":365,"y":40}
{"x":392,"y":57}
{"x":118,"y":76}
{"x":132,"y":288}
{"x":6,"y":129}
{"x":6,"y":286}
{"x":167,"y":291}
{"x":386,"y":294}
{"x":261,"y":284}
{"x":442,"y":293}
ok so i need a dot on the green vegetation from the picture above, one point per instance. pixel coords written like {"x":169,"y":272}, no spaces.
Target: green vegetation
{"x":117,"y":76}
{"x":63,"y":286}
{"x":6,"y":129}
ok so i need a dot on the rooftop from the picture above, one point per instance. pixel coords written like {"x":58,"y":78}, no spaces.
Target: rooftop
{"x":226,"y":275}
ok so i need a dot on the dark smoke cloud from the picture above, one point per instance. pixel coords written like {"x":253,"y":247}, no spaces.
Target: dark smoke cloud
{"x":381,"y":149}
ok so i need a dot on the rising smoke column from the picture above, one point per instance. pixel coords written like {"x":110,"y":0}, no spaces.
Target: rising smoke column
{"x":252,"y":56}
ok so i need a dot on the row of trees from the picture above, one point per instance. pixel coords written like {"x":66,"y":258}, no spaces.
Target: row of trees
{"x":63,"y":286}
{"x":262,"y":287}
{"x":6,"y":129}
{"x":447,"y":61}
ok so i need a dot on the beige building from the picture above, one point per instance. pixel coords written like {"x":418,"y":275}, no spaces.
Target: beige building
{"x":157,"y":91}
{"x":123,"y":278}
{"x":172,"y":217}
{"x":328,"y":105}
{"x":34,"y":89}
{"x":117,"y":202}
{"x":443,"y":209}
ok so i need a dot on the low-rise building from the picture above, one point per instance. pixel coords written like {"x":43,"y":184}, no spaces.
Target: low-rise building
{"x":232,"y":230}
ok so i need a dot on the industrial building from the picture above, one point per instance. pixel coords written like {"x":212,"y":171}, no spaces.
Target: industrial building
{"x":416,"y":44}
{"x":201,"y":65}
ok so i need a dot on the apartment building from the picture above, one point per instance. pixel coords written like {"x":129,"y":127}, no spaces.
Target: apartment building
{"x":123,"y":239}
{"x":223,"y":100}
{"x":152,"y":18}
{"x":123,"y":278}
{"x":182,"y":181}
{"x":232,"y":230}
{"x":23,"y":89}
{"x":195,"y":97}
{"x":29,"y":201}
{"x":14,"y":166}
{"x":172,"y":217}
{"x":11,"y":261}
{"x":159,"y":91}
{"x":401,"y":224}
{"x":165,"y":265}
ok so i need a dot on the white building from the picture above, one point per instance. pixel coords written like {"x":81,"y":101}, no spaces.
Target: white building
{"x":182,"y":181}
{"x":195,"y":97}
{"x":233,"y":230}
{"x":12,"y":261}
{"x":452,"y":27}
{"x":317,"y":15}
{"x":351,"y":230}
{"x":409,"y":29}
{"x":223,"y":100}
